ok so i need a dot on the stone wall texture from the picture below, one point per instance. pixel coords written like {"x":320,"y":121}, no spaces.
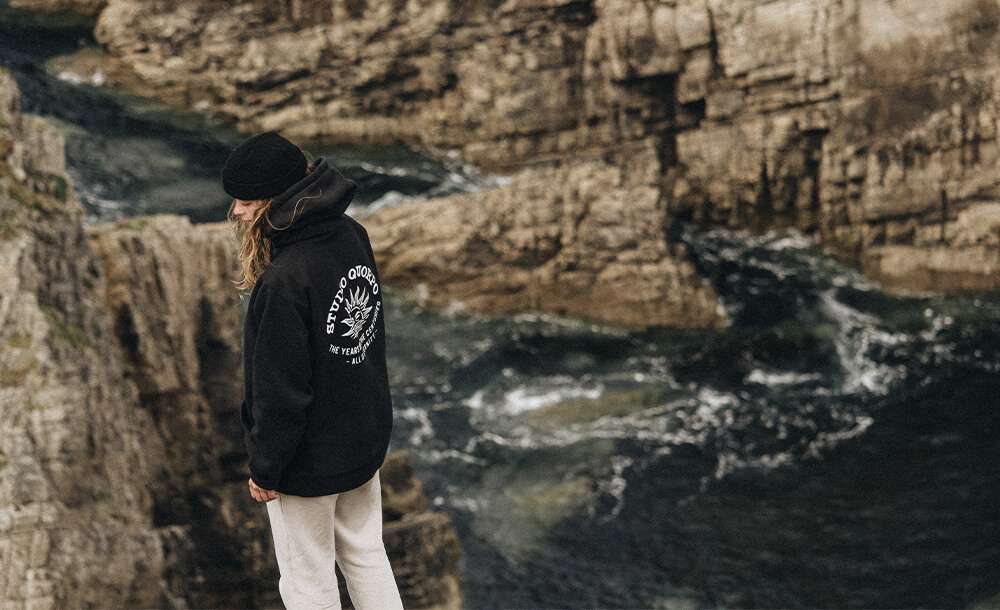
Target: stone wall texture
{"x":871,"y":124}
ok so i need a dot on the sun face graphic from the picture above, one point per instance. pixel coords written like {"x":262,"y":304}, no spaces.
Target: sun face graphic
{"x":357,"y":309}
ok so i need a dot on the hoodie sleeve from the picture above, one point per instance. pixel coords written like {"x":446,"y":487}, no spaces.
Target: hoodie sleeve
{"x":282,"y":368}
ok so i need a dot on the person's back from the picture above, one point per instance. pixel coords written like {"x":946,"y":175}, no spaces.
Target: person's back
{"x":317,"y":411}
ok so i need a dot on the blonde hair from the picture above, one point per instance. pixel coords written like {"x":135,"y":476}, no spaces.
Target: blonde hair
{"x":255,"y":249}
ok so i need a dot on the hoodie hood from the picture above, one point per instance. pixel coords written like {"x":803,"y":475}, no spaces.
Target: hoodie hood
{"x":310,"y":207}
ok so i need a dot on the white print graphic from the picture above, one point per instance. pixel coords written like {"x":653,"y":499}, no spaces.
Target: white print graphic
{"x":351,"y":308}
{"x":357,"y":312}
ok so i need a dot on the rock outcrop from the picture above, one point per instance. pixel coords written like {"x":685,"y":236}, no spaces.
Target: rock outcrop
{"x":76,"y":525}
{"x":177,"y":316}
{"x":122,"y":471}
{"x":871,"y":125}
{"x":583,"y":238}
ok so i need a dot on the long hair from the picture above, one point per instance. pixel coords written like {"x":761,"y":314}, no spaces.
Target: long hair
{"x":255,"y":249}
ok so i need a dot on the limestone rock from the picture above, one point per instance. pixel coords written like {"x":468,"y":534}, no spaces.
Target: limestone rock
{"x":584,"y":247}
{"x":178,"y":316}
{"x":422,"y":546}
{"x":424,"y":552}
{"x":864,"y":124}
{"x":402,"y":493}
{"x":76,"y":527}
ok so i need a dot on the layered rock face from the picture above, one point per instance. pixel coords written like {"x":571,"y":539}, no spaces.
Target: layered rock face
{"x":536,"y":81}
{"x":582,"y":238}
{"x":871,"y":125}
{"x":76,"y":526}
{"x":178,"y":319}
{"x":122,"y":471}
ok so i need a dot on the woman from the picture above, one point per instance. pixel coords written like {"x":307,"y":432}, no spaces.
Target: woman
{"x":316,"y":412}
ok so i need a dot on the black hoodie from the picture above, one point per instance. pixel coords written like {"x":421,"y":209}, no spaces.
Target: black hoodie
{"x":317,"y":411}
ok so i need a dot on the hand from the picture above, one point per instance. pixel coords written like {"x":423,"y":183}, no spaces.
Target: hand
{"x":260,"y":494}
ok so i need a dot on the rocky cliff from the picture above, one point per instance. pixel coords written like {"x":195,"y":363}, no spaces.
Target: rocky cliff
{"x":122,"y":474}
{"x":583,"y":238}
{"x":178,"y":317}
{"x":871,"y":125}
{"x":76,"y":523}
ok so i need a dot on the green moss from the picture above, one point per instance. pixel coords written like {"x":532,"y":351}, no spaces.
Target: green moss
{"x":45,"y":207}
{"x":14,"y":378}
{"x":17,"y":340}
{"x":21,"y":194}
{"x":64,"y":331}
{"x":49,"y":184}
{"x":10,"y":224}
{"x":60,"y":187}
{"x":136,"y":223}
{"x":74,"y":335}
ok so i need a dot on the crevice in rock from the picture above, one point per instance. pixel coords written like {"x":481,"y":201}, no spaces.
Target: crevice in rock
{"x":128,"y":338}
{"x":762,"y":212}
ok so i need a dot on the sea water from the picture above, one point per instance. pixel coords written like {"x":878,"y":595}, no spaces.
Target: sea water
{"x":832,"y":446}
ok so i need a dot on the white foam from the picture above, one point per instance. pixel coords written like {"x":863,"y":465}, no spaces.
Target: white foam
{"x":529,"y":399}
{"x":859,"y":332}
{"x":613,"y":486}
{"x":549,"y":391}
{"x":70,"y":77}
{"x":424,"y":429}
{"x":772,"y":378}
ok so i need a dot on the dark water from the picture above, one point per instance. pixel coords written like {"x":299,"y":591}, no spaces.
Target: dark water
{"x":129,"y":156}
{"x":833,"y":447}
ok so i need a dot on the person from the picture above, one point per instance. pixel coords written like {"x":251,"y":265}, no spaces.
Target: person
{"x":317,"y":411}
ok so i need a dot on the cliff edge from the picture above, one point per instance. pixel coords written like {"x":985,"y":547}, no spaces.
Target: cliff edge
{"x":869,"y":125}
{"x":122,"y":471}
{"x":76,"y":522}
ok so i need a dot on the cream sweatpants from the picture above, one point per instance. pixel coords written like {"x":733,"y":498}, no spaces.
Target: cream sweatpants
{"x":311,"y":533}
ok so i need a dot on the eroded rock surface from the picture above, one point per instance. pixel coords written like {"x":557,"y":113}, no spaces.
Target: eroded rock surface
{"x":583,"y":238}
{"x":76,"y":525}
{"x":871,"y":125}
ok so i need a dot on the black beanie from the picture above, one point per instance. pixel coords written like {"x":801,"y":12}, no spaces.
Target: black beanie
{"x":263,"y":166}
